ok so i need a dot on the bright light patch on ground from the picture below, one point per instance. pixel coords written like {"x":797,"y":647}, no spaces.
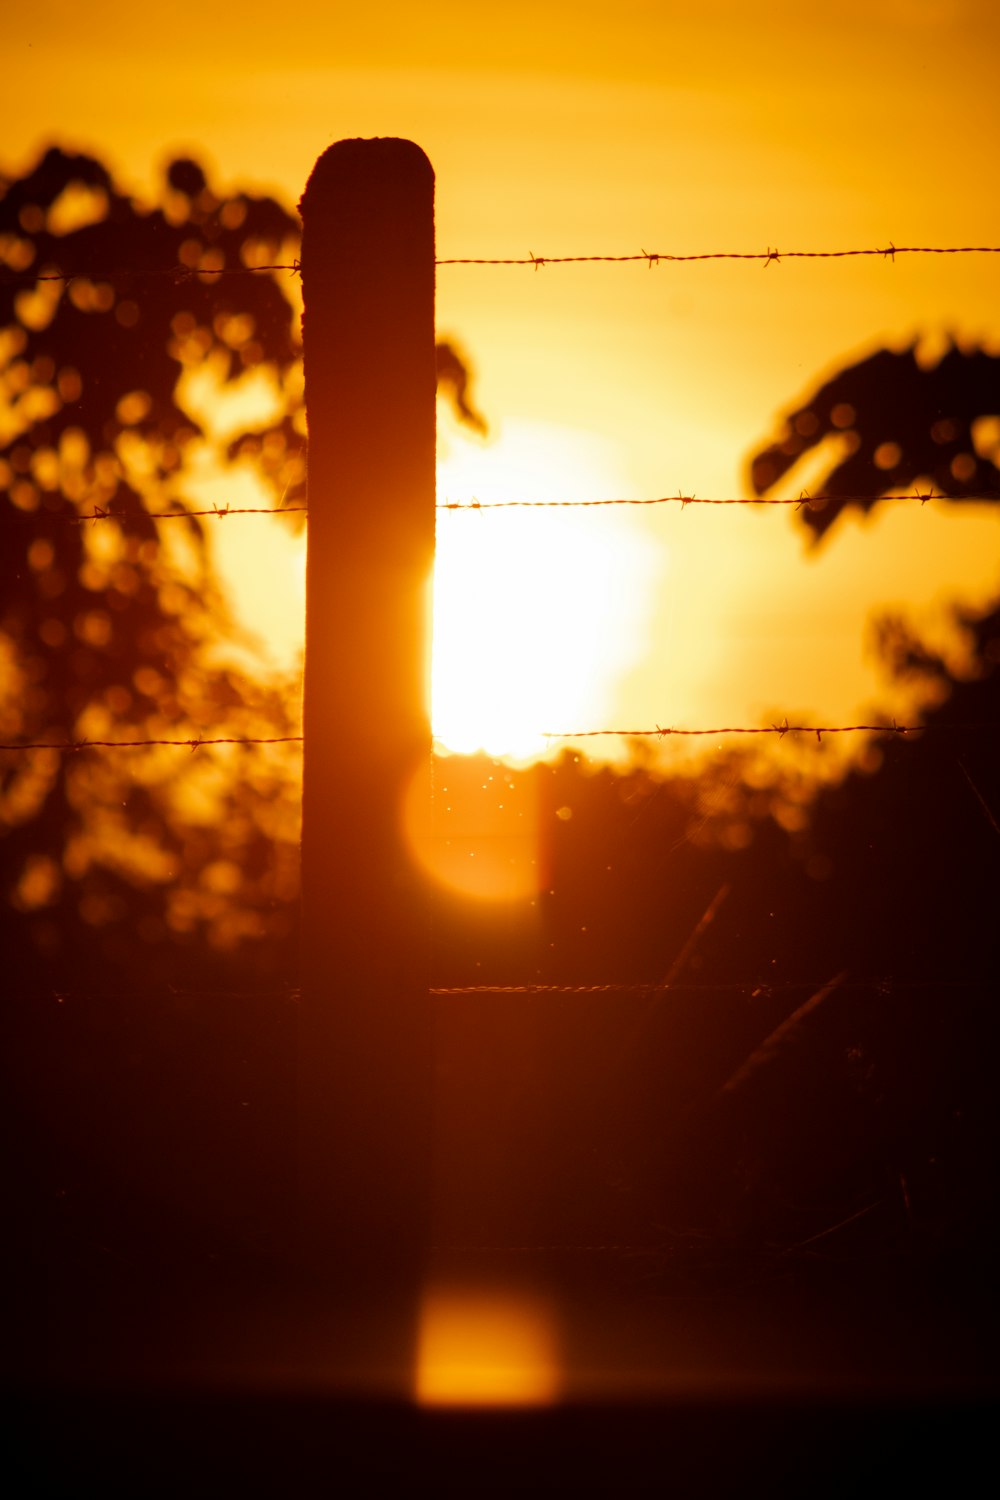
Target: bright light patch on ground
{"x":486,"y":1348}
{"x":537,"y":612}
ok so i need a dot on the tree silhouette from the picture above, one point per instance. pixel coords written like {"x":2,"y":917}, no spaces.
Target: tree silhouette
{"x":885,"y":1095}
{"x":900,"y":421}
{"x":134,"y":341}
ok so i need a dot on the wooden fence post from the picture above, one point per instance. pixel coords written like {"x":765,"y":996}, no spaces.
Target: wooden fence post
{"x":364,"y":1081}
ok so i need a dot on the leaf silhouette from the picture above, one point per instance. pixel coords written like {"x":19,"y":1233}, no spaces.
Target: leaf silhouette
{"x":898,"y":423}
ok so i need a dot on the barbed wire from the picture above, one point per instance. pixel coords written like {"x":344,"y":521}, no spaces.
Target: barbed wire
{"x":195,"y":743}
{"x":803,"y":501}
{"x":768,"y":256}
{"x":663,"y":731}
{"x":218,"y":511}
{"x":758,"y":989}
{"x":659,"y":731}
{"x":650,"y":258}
{"x":630,"y":988}
{"x":177,"y":273}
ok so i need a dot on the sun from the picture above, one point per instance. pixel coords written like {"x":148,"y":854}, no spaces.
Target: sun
{"x":537,"y":612}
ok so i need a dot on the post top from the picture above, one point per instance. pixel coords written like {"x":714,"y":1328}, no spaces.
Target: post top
{"x":378,"y":160}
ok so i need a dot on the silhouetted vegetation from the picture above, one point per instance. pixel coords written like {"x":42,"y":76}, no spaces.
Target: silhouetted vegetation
{"x":124,"y":385}
{"x":894,"y":420}
{"x":114,"y":864}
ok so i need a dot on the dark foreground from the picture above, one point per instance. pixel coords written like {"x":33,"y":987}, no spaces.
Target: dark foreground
{"x":165,"y":1337}
{"x":183,"y":1444}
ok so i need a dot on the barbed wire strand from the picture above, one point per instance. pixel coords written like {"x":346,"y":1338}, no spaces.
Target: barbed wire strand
{"x":195,"y":743}
{"x":803,"y":501}
{"x":756,"y":989}
{"x":759,"y":989}
{"x":218,"y":511}
{"x":649,"y":258}
{"x":768,"y":256}
{"x":177,"y":274}
{"x":662,"y":731}
{"x":198,"y":742}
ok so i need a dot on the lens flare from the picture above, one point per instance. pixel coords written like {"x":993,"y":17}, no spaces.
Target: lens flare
{"x":475,"y":829}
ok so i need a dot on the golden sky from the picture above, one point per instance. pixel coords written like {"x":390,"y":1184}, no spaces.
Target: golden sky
{"x":564,"y":128}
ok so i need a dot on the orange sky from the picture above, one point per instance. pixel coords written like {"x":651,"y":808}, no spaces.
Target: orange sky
{"x":571,"y":128}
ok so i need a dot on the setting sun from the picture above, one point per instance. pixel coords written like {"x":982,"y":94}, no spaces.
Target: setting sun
{"x":536,"y":611}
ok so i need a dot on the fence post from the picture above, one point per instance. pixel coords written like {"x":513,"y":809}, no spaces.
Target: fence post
{"x":364,"y":1080}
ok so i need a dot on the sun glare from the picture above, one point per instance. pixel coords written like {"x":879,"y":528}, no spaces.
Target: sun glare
{"x":537,"y":612}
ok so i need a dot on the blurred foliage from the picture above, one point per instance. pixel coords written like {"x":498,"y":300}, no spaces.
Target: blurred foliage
{"x":135,"y":341}
{"x":116,"y":630}
{"x":892,"y":421}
